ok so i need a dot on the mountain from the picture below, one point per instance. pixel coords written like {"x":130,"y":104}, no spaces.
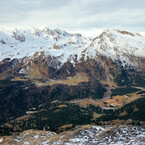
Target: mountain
{"x":56,"y":48}
{"x":115,"y":44}
{"x":46,"y":74}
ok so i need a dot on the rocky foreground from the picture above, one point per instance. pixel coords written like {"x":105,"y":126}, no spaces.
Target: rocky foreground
{"x":81,"y":135}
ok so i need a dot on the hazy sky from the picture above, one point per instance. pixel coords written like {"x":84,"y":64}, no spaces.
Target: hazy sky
{"x":74,"y":15}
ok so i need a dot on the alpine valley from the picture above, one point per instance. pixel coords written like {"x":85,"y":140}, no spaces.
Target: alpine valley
{"x":56,"y":81}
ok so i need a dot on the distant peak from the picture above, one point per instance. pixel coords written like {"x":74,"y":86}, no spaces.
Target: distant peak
{"x":123,"y":32}
{"x":114,"y":33}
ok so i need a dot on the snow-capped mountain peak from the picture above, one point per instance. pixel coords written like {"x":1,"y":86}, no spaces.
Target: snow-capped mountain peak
{"x":121,"y":45}
{"x":112,"y":43}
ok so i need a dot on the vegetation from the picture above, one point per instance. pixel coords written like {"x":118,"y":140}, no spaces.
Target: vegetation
{"x":53,"y":116}
{"x":137,"y":79}
{"x":134,"y":110}
{"x":123,"y":91}
{"x":16,"y":97}
{"x":141,"y":92}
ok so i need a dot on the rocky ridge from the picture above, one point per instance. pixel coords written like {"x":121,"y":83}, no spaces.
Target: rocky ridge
{"x":81,"y":135}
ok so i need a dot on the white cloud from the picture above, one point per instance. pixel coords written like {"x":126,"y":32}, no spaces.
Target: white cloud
{"x":73,"y":15}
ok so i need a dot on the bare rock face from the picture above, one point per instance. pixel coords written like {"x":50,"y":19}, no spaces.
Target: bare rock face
{"x":2,"y":41}
{"x":6,"y":64}
{"x":18,"y":36}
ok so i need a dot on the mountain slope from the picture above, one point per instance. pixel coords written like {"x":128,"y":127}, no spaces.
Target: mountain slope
{"x":45,"y":53}
{"x":39,"y":66}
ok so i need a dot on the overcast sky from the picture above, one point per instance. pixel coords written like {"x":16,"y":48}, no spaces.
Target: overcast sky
{"x":74,"y":15}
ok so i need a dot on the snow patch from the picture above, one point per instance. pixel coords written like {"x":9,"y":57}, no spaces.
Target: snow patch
{"x":1,"y":140}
